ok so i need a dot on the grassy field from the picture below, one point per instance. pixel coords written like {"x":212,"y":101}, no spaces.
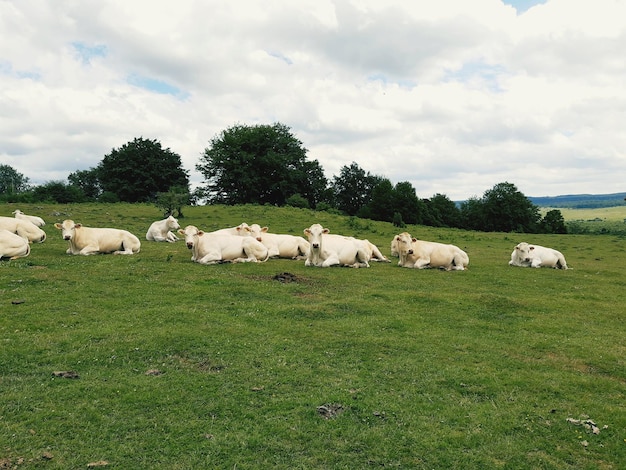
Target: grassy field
{"x":151,"y":361}
{"x":610,"y":214}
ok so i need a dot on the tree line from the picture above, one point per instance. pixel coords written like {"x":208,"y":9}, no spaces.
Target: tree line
{"x":267,"y":164}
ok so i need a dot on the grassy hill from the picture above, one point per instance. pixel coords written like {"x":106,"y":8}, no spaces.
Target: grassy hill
{"x":151,"y":361}
{"x":581,"y":201}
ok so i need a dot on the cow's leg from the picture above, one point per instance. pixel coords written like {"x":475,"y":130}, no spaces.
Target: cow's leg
{"x":210,"y":258}
{"x":89,"y":250}
{"x":422,"y":263}
{"x":332,"y":260}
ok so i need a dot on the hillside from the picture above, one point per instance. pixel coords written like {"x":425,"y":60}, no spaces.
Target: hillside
{"x":581,"y":201}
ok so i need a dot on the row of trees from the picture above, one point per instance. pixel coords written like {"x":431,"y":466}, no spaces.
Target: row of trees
{"x":266,"y":164}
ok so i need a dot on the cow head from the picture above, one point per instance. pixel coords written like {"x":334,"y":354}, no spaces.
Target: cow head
{"x":404,"y":244}
{"x":191,"y":234}
{"x":314,"y":234}
{"x":67,"y":228}
{"x":256,"y":231}
{"x":172,"y":223}
{"x":524,"y":252}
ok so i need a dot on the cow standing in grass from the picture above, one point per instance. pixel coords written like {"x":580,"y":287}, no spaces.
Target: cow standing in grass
{"x":422,"y":254}
{"x":537,"y":256}
{"x":90,"y":241}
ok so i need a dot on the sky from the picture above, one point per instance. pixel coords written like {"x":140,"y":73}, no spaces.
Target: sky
{"x":453,"y":96}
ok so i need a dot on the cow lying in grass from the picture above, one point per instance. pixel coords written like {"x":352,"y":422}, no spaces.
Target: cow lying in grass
{"x":280,"y":245}
{"x":536,"y":256}
{"x":23,"y":228}
{"x":212,"y":248}
{"x":38,"y":221}
{"x":422,"y":254}
{"x":161,"y":230}
{"x":328,"y":250}
{"x":13,"y":246}
{"x":90,"y":241}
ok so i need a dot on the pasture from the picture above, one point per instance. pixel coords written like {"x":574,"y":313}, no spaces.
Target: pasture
{"x":151,"y":361}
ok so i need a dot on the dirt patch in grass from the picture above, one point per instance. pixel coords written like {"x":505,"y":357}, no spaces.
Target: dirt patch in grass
{"x":287,"y":277}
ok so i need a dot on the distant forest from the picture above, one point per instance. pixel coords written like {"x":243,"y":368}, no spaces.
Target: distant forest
{"x":581,"y":201}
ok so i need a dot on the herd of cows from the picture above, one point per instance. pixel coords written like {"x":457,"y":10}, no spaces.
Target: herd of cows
{"x":253,"y":243}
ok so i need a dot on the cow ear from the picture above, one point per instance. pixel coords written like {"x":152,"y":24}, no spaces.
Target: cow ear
{"x":532,"y":247}
{"x":413,"y":239}
{"x":325,"y":231}
{"x":306,"y":231}
{"x":200,"y":233}
{"x":264,"y":229}
{"x":58,"y":225}
{"x":78,"y":225}
{"x":181,"y":231}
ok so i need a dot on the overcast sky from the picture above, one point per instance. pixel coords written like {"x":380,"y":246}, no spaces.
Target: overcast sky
{"x":453,"y":96}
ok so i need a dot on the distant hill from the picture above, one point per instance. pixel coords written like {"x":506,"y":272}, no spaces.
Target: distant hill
{"x":580,"y":201}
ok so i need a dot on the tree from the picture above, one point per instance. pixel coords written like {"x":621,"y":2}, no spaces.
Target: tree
{"x":501,"y":209}
{"x":87,"y":181}
{"x":172,"y":201}
{"x":553,"y":222}
{"x":58,"y":191}
{"x":472,"y":214}
{"x":259,"y":164}
{"x":381,"y":205}
{"x":406,"y":202}
{"x":353,"y":188}
{"x":140,"y":170}
{"x":445,"y":210}
{"x":11,"y":181}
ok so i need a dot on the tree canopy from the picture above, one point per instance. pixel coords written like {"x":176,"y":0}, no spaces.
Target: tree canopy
{"x":261,"y":164}
{"x":502,"y":209}
{"x":140,"y":170}
{"x":11,"y":181}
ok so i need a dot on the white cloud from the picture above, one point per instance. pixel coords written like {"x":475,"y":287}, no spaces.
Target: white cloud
{"x":452,"y":96}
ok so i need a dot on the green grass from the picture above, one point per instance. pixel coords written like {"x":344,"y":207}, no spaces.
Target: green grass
{"x":426,"y":369}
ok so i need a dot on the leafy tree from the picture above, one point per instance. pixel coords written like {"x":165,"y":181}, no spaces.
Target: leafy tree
{"x":87,"y":181}
{"x":139,"y":170}
{"x":259,"y":164}
{"x":172,"y":201}
{"x":58,"y":191}
{"x":406,"y":202}
{"x":553,"y":222}
{"x":501,"y":209}
{"x":297,"y":201}
{"x":11,"y":181}
{"x":445,"y":211}
{"x":472,"y":214}
{"x":508,"y":210}
{"x":381,"y":205}
{"x":353,"y":188}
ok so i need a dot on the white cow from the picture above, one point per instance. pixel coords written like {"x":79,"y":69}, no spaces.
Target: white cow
{"x":335,"y":250}
{"x":422,"y":254}
{"x":90,"y":241}
{"x":38,"y":221}
{"x":212,"y":248}
{"x":13,"y":246}
{"x":240,"y":230}
{"x":161,"y":230}
{"x":536,"y":256}
{"x":280,"y":245}
{"x":23,"y":228}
